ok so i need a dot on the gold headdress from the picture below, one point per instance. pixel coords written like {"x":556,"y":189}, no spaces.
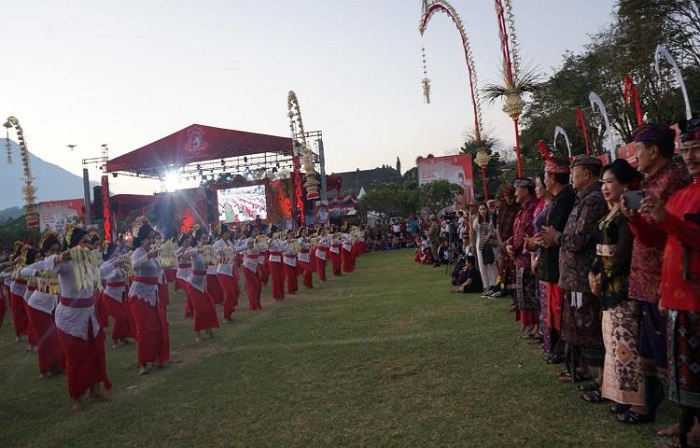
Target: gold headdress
{"x":69,"y":232}
{"x":45,"y":236}
{"x":195,"y":228}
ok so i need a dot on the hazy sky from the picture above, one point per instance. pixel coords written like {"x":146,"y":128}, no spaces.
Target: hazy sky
{"x":127,"y":73}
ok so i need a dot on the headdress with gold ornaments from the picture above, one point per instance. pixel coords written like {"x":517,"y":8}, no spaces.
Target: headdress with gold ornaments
{"x":195,"y":229}
{"x":46,"y":236}
{"x":216,"y":228}
{"x":138,"y":223}
{"x":70,"y":228}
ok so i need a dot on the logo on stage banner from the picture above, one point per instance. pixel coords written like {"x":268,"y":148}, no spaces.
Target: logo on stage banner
{"x":196,"y":144}
{"x":455,"y":169}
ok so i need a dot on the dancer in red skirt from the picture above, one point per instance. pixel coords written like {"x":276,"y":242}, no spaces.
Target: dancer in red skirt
{"x":203,"y":304}
{"x":184,"y":270}
{"x":276,"y":267}
{"x":304,"y":257}
{"x":79,"y":332}
{"x":321,"y":252}
{"x":334,"y":252}
{"x":114,"y":275}
{"x":18,"y":287}
{"x":152,"y":329}
{"x":289,"y":259}
{"x":253,"y":284}
{"x":40,"y":309}
{"x":226,"y":272}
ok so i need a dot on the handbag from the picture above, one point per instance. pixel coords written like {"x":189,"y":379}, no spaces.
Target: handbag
{"x":487,"y":255}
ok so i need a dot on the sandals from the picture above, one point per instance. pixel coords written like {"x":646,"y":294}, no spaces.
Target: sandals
{"x":631,"y":417}
{"x":593,"y":397}
{"x":589,"y":387}
{"x":566,"y":377}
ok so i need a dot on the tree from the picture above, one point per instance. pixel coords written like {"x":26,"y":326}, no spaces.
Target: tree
{"x":389,"y":199}
{"x":438,"y":195}
{"x":398,"y":165}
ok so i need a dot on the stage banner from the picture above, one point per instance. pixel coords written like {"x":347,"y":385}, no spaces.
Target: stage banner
{"x":54,"y":215}
{"x":456,"y":169}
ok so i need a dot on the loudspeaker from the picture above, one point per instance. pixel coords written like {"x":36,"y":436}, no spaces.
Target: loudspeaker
{"x":97,"y":202}
{"x":211,"y":205}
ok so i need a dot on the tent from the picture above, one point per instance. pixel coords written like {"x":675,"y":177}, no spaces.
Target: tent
{"x":194,"y":144}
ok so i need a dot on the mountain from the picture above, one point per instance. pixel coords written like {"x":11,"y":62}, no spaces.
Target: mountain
{"x":51,"y":181}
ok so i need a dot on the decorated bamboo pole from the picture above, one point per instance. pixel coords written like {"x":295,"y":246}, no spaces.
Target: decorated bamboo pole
{"x":429,"y":9}
{"x":662,"y":52}
{"x":596,"y":102}
{"x":29,"y":191}
{"x":558,"y":130}
{"x":514,"y":103}
{"x":294,"y":114}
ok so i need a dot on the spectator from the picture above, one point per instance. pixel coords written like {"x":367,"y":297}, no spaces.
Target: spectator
{"x":470,"y":279}
{"x":581,"y":318}
{"x":655,"y":145}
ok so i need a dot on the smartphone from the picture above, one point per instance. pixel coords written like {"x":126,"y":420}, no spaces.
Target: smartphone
{"x":633,"y":199}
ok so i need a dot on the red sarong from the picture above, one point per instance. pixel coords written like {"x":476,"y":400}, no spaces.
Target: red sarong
{"x":85,"y":362}
{"x":335,"y":263}
{"x":124,"y":325}
{"x":19,"y":315}
{"x":49,"y":351}
{"x":204,"y":309}
{"x":277,"y":276}
{"x":290,"y":273}
{"x":231,"y":291}
{"x":253,"y":287}
{"x":214,"y":289}
{"x":554,"y":297}
{"x":152,"y":332}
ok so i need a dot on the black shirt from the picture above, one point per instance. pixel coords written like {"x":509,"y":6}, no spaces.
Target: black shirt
{"x":562,"y":204}
{"x":473,"y":273}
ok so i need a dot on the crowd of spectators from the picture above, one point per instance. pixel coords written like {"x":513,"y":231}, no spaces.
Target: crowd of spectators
{"x":602,"y":264}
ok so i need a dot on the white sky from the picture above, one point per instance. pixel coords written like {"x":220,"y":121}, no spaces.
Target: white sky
{"x":127,"y":73}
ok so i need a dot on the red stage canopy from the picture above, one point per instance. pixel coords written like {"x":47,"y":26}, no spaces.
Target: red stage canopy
{"x":198,"y":143}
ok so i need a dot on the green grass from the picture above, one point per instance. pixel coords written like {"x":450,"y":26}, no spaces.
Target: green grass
{"x":383,"y":357}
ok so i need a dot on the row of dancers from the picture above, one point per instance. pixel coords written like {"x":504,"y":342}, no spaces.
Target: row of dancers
{"x":62,"y":294}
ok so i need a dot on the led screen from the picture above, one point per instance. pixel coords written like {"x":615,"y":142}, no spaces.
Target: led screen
{"x":242,"y":203}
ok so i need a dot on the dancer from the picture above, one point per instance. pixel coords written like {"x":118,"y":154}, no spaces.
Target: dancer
{"x":253,"y":284}
{"x":184,"y":270}
{"x":114,"y":275}
{"x":40,"y":309}
{"x":276,"y":267}
{"x":152,"y":332}
{"x":79,"y":332}
{"x":289,"y":258}
{"x":304,"y":257}
{"x":202,"y":303}
{"x":226,"y":272}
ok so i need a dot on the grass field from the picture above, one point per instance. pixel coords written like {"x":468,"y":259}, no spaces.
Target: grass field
{"x":383,"y":357}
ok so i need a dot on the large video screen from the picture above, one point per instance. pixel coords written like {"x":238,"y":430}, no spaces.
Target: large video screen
{"x":242,"y":203}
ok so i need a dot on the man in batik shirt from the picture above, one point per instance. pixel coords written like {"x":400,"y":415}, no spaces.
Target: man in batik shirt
{"x":655,"y":145}
{"x":581,"y":312}
{"x":679,"y":224}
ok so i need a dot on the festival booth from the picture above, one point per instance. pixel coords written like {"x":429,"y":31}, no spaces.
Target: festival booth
{"x":242,"y":175}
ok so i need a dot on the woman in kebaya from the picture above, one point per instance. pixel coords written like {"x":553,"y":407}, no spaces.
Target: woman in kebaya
{"x":114,"y":296}
{"x":79,"y":332}
{"x":204,"y":308}
{"x":152,"y":330}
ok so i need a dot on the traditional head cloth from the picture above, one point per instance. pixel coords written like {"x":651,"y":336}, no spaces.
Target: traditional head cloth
{"x":556,"y":166}
{"x":690,"y":129}
{"x":525,"y":182}
{"x":653,"y":133}
{"x":587,"y":161}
